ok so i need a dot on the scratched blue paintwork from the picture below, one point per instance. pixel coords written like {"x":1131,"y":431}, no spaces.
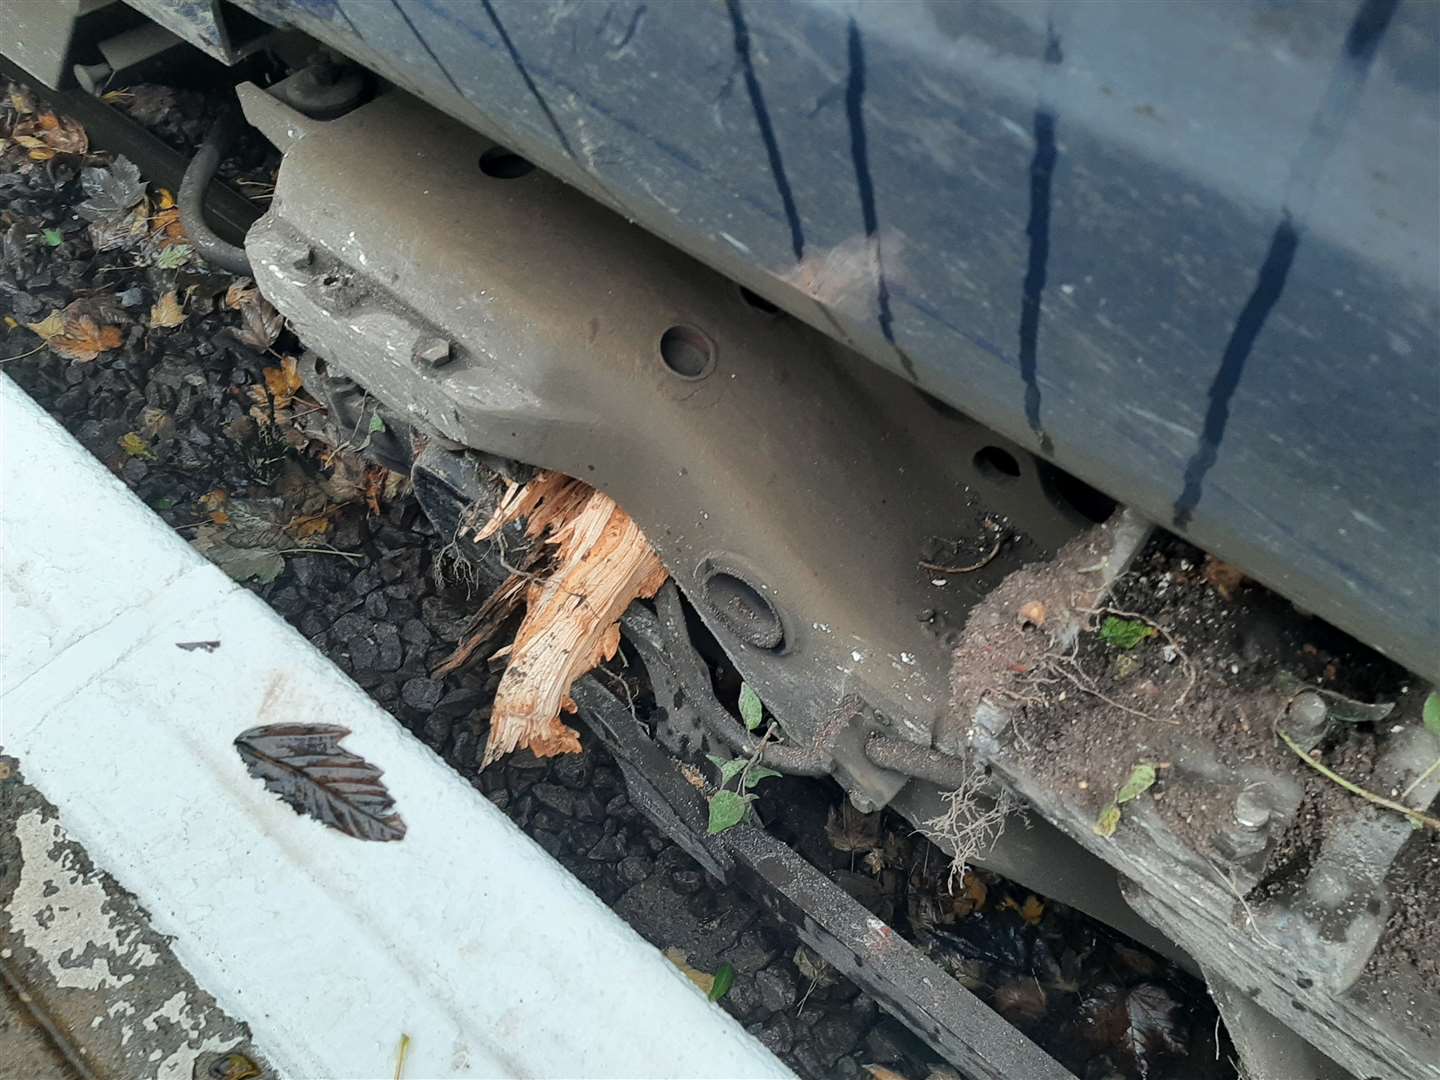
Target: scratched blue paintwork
{"x":1182,"y":135}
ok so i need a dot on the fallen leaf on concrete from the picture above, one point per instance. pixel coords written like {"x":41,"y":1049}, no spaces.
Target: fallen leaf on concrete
{"x":167,"y":312}
{"x":602,"y":562}
{"x":306,"y":766}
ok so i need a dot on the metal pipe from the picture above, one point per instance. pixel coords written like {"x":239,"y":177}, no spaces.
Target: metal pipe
{"x":191,"y":200}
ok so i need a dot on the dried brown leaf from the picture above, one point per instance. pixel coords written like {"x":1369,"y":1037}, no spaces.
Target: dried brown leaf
{"x":63,"y":134}
{"x":167,"y":312}
{"x":306,"y":766}
{"x":240,"y":293}
{"x":124,"y":230}
{"x":848,"y":829}
{"x":1222,"y":576}
{"x":52,"y":326}
{"x":262,"y":323}
{"x":283,"y":382}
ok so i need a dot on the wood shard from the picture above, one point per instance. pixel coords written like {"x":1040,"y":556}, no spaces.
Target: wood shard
{"x":602,"y":562}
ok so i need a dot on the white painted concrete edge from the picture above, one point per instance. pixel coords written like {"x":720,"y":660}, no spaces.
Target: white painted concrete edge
{"x":465,"y":935}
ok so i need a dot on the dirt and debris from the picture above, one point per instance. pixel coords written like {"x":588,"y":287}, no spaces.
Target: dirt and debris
{"x":1190,"y":668}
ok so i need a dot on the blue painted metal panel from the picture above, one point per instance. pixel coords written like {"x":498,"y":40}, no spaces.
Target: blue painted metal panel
{"x":1190,"y":251}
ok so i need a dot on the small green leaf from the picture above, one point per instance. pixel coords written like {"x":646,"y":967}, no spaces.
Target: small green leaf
{"x":727,"y":809}
{"x":724,"y":979}
{"x":164,"y":503}
{"x":53,"y":237}
{"x":1108,"y":822}
{"x":756,"y":774}
{"x":1431,"y":713}
{"x":1124,"y":633}
{"x":1140,"y":780}
{"x":751,"y":710}
{"x":173,"y":257}
{"x":729,"y":769}
{"x":376,"y":424}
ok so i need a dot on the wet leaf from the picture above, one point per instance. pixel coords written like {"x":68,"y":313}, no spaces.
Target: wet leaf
{"x":724,"y":979}
{"x":1108,"y":821}
{"x":727,"y":809}
{"x":214,"y":499}
{"x":751,"y":709}
{"x":20,"y":100}
{"x":1431,"y":713}
{"x":112,"y":192}
{"x":1141,"y":779}
{"x":134,"y":444}
{"x":167,"y":312}
{"x":242,"y":561}
{"x":1124,"y":633}
{"x":306,"y":766}
{"x":376,"y":425}
{"x":53,"y":237}
{"x":880,"y":1072}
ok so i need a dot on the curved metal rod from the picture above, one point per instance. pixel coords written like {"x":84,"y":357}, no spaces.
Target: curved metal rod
{"x":921,"y":762}
{"x":666,"y":641}
{"x":191,"y":200}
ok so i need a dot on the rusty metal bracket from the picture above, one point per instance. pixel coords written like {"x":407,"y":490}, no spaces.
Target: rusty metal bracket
{"x":792,"y":488}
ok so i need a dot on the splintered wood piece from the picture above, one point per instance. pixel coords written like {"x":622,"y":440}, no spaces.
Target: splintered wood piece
{"x":601,"y":563}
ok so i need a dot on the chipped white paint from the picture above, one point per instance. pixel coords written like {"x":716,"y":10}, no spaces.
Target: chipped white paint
{"x":465,"y":935}
{"x":60,"y":913}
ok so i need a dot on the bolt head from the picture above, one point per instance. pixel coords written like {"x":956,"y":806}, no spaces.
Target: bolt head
{"x":434,"y":351}
{"x":1252,"y":808}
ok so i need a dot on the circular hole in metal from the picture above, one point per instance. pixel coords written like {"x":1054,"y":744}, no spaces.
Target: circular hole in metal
{"x":744,"y":610}
{"x":996,"y":464}
{"x":504,"y":164}
{"x":687,"y":352}
{"x":758,"y":302}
